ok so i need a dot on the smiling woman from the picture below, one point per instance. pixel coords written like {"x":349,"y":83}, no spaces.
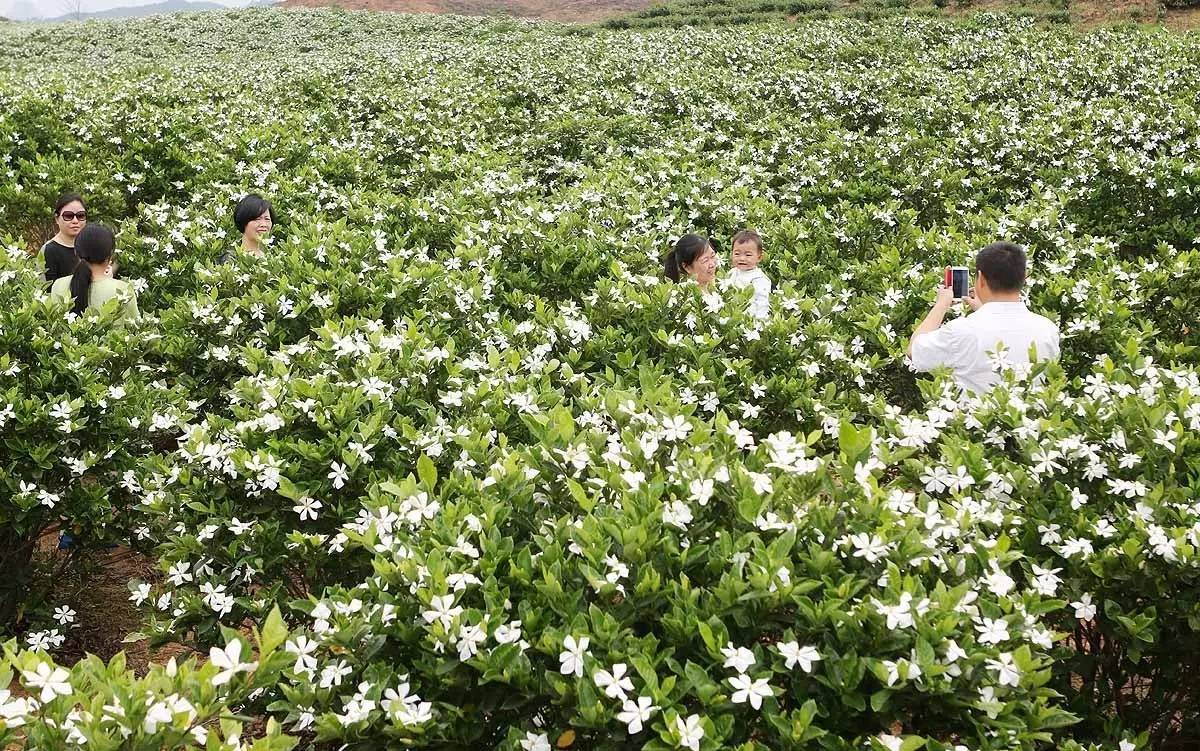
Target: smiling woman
{"x":254,"y":217}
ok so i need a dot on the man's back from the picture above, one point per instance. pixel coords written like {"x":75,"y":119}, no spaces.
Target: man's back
{"x":969,"y":345}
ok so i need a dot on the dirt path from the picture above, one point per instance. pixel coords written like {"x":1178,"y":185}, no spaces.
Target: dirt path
{"x":104,"y":613}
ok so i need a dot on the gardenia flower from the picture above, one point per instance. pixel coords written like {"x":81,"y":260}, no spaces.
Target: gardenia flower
{"x":574,"y":650}
{"x":901,"y":670}
{"x":749,"y":689}
{"x":690,"y":732}
{"x":615,"y":684}
{"x":52,"y":681}
{"x":794,"y":654}
{"x":13,"y":711}
{"x":337,"y":473}
{"x":1085,"y":609}
{"x":229,"y":661}
{"x":535,"y":742}
{"x":738,"y":658}
{"x":992,"y":631}
{"x":442,"y":610}
{"x":303,"y":648}
{"x":307,"y":508}
{"x":868,"y":546}
{"x":634,"y":714}
{"x":469,"y":639}
{"x":1009,"y":673}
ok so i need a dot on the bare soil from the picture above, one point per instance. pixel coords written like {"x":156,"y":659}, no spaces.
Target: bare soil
{"x":104,"y":613}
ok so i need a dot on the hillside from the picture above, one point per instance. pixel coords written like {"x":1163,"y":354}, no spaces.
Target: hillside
{"x":652,"y":13}
{"x":153,"y":9}
{"x":571,"y":11}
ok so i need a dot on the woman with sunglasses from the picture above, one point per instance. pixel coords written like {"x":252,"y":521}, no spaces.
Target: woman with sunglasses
{"x":70,"y":213}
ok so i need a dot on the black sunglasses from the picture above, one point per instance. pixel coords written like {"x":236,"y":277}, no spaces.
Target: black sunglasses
{"x":71,"y":216}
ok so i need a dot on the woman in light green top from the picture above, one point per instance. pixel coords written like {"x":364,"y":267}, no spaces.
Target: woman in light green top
{"x":92,"y":284}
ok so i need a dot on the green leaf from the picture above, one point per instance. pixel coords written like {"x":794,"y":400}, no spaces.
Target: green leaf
{"x":427,"y":472}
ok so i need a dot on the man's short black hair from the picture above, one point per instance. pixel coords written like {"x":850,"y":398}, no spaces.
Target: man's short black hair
{"x":250,"y":208}
{"x":1003,"y":265}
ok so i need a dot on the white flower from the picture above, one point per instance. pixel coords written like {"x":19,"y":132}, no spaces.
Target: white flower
{"x":13,"y":711}
{"x":442,"y":610}
{"x":738,"y":658}
{"x":303,"y":648}
{"x":536,"y":742}
{"x":749,"y":690}
{"x":675,"y":428}
{"x":794,"y":654}
{"x":158,"y":714}
{"x":633,"y":715}
{"x":140,"y":594}
{"x":677,"y":514}
{"x":1010,"y":674}
{"x":868,"y":546}
{"x":52,"y":681}
{"x":701,"y":490}
{"x":469,"y":639}
{"x":615,"y":684}
{"x":690,"y":732}
{"x":890,"y":742}
{"x":574,"y":650}
{"x":901,"y":670}
{"x":1085,"y":609}
{"x":64,"y":615}
{"x":307,"y":508}
{"x":337,"y":473}
{"x":229,"y":660}
{"x":992,"y":631}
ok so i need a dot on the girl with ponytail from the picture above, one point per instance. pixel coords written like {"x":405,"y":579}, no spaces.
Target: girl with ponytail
{"x":692,"y":257}
{"x":92,"y":284}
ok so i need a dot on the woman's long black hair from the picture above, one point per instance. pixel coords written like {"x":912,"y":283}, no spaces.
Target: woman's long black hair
{"x":95,"y":244}
{"x":687,"y":249}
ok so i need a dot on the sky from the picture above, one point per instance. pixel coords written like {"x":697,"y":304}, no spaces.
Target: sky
{"x":48,"y":8}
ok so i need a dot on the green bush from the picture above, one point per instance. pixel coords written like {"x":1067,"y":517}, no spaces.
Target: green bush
{"x":454,"y":423}
{"x":187,"y":705}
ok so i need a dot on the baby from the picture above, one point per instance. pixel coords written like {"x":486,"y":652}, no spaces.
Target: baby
{"x":746,"y":254}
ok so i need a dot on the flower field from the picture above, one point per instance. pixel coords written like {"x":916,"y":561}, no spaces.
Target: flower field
{"x":455,"y":468}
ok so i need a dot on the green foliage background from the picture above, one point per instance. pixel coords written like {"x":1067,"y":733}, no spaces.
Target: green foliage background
{"x":460,"y":345}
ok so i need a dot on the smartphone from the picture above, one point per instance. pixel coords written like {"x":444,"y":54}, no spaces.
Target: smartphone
{"x":958,"y":279}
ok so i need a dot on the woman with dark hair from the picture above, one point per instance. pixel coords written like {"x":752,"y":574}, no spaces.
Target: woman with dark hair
{"x":92,"y":284}
{"x":692,"y":257}
{"x":254,"y":218}
{"x":70,"y":214}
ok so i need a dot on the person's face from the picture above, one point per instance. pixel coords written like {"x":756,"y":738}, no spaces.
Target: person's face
{"x":260,"y":225}
{"x":745,"y":255}
{"x":71,"y":219}
{"x":704,"y":268}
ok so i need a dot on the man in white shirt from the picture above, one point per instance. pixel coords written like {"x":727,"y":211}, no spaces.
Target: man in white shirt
{"x":1000,"y":332}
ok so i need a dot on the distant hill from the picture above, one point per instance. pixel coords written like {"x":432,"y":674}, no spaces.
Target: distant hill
{"x":574,"y":11}
{"x":154,"y":9}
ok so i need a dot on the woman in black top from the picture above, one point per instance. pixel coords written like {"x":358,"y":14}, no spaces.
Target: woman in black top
{"x":70,"y":213}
